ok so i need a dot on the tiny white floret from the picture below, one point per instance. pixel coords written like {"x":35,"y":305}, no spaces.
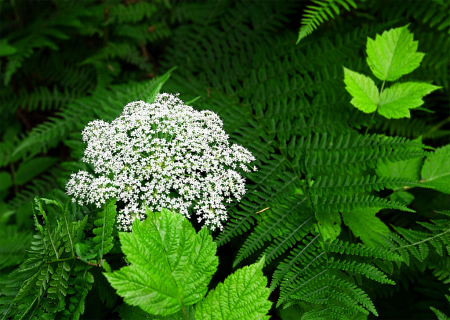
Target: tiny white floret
{"x":165,"y":155}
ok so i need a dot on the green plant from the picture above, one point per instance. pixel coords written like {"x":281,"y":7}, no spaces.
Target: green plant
{"x":71,"y":62}
{"x":170,"y":269}
{"x":55,"y":278}
{"x":314,"y":15}
{"x":390,"y":56}
{"x":336,"y":189}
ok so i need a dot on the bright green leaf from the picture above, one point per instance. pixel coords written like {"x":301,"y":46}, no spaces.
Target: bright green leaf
{"x":396,"y":101}
{"x":440,"y":315}
{"x":436,"y":170}
{"x":157,"y":88}
{"x":363,"y":90}
{"x":171,"y":265}
{"x":32,"y":168}
{"x":393,"y":54}
{"x":365,"y":224}
{"x":243,"y":295}
{"x":330,"y":224}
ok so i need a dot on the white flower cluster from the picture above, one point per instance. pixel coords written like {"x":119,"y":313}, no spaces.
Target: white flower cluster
{"x":166,"y":155}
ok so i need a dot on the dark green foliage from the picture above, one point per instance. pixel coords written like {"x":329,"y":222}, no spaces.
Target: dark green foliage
{"x":54,"y":279}
{"x":76,"y":53}
{"x":65,"y":63}
{"x":316,"y":14}
{"x":288,"y":106}
{"x":12,"y":246}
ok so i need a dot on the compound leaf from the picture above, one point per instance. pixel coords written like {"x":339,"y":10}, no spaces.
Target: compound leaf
{"x":363,"y":90}
{"x":171,"y":265}
{"x":393,"y":54}
{"x":243,"y":295}
{"x":396,"y":101}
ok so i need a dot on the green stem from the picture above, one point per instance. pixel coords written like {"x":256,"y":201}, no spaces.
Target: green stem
{"x":65,"y":259}
{"x":425,"y":240}
{"x":367,"y":129}
{"x":73,"y":258}
{"x":379,"y":99}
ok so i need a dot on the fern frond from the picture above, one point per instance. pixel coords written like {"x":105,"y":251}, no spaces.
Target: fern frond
{"x":133,"y":12}
{"x":352,"y":154}
{"x":103,"y":232}
{"x":313,"y":274}
{"x":286,"y":217}
{"x":41,"y":284}
{"x":335,"y":184}
{"x":13,"y":244}
{"x":313,"y":18}
{"x":418,"y":243}
{"x":39,"y":36}
{"x":37,"y":187}
{"x":270,"y":191}
{"x":125,"y":51}
{"x":143,"y":32}
{"x":347,"y":203}
{"x":43,"y":99}
{"x":80,"y":111}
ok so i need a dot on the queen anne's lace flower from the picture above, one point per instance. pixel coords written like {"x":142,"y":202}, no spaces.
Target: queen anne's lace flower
{"x":166,"y":155}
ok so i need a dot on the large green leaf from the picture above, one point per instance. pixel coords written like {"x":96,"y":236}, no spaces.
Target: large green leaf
{"x":363,"y":90}
{"x":365,"y":224}
{"x":171,"y":265}
{"x":396,"y":101}
{"x":243,"y":295}
{"x":32,"y":168}
{"x":393,"y":54}
{"x":436,"y":170}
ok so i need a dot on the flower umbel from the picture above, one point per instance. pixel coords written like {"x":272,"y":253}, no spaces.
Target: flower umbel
{"x":166,"y":155}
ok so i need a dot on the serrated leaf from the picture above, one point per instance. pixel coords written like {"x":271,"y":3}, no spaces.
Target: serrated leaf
{"x":365,"y":224}
{"x":243,"y":295}
{"x":396,"y":101}
{"x":363,"y":90}
{"x":436,"y":170}
{"x":393,"y":54}
{"x":171,"y":265}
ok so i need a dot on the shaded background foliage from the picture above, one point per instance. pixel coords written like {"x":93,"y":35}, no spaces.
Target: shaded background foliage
{"x":65,"y":63}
